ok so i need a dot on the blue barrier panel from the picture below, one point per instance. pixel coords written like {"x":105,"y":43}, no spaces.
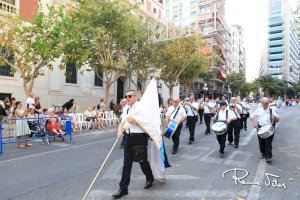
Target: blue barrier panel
{"x":1,"y":150}
{"x":40,"y":131}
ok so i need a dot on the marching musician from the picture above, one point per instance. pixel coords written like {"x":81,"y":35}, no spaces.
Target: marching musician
{"x":208,"y":109}
{"x":245,"y":113}
{"x":135,"y":149}
{"x":191,"y":108}
{"x":259,"y":118}
{"x":177,"y":114}
{"x":201,"y":110}
{"x":235,"y":125}
{"x":226,"y":116}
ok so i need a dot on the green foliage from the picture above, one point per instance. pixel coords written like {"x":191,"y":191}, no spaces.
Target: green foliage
{"x":33,"y":45}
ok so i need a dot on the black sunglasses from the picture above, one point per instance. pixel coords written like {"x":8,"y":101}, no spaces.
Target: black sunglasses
{"x":128,"y":96}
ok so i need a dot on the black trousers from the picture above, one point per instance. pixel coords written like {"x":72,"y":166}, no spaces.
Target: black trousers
{"x":234,"y":130}
{"x":201,"y":112}
{"x":265,"y":146}
{"x":191,"y":123}
{"x":176,"y":137}
{"x":207,"y":119}
{"x":130,"y":141}
{"x":244,"y":123}
{"x":222,"y":140}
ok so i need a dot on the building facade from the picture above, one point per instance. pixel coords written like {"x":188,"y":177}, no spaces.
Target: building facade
{"x":283,"y":44}
{"x":204,"y":17}
{"x":55,"y":88}
{"x":235,"y":50}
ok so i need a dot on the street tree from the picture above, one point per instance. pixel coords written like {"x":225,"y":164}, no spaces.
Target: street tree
{"x":97,"y":38}
{"x":190,"y":75}
{"x":31,"y":47}
{"x":266,"y":82}
{"x":174,"y":56}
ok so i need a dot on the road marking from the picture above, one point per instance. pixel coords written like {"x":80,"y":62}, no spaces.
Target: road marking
{"x":255,"y":189}
{"x":246,"y":140}
{"x":194,"y":153}
{"x":54,"y":151}
{"x":113,"y":170}
{"x":206,"y":158}
{"x":60,"y":144}
{"x":236,"y":163}
{"x":173,"y":194}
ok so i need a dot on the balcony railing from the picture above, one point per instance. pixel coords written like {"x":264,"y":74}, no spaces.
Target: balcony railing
{"x":7,"y":7}
{"x":274,"y":22}
{"x":276,"y":43}
{"x":276,"y":29}
{"x":276,"y":50}
{"x":276,"y":57}
{"x":276,"y":64}
{"x":276,"y":36}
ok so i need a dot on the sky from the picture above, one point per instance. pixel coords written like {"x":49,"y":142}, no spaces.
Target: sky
{"x":252,"y":15}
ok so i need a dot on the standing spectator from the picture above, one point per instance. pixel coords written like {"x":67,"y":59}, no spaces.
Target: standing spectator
{"x":21,"y":126}
{"x":112,"y":104}
{"x":7,"y":104}
{"x":2,"y":113}
{"x":37,"y":107}
{"x":30,"y":100}
{"x":2,"y":103}
{"x":68,"y":105}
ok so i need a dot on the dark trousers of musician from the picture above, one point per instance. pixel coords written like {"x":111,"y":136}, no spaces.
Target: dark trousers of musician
{"x":176,"y":137}
{"x":207,"y":119}
{"x":132,"y":140}
{"x":265,"y":146}
{"x":234,"y":130}
{"x":191,"y":123}
{"x":244,"y":123}
{"x":222,"y":140}
{"x":201,"y":112}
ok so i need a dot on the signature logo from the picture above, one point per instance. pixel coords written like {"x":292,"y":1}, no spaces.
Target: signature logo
{"x":240,"y":175}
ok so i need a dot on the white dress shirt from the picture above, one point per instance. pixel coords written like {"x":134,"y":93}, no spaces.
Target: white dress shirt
{"x":262,"y":116}
{"x":208,"y":106}
{"x":131,"y":128}
{"x":172,"y":111}
{"x":236,"y":110}
{"x":246,"y":108}
{"x":30,"y":102}
{"x":190,"y":111}
{"x":222,"y":115}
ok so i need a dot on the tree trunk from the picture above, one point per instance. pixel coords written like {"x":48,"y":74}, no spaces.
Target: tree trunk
{"x":186,"y":90}
{"x":106,"y":97}
{"x":28,"y":86}
{"x":170,"y":93}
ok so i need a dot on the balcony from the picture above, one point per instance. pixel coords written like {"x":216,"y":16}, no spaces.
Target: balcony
{"x":276,"y":43}
{"x":276,"y":64}
{"x":276,"y":36}
{"x":276,"y":22}
{"x":276,"y":57}
{"x":275,"y":71}
{"x":276,"y":29}
{"x":7,"y":8}
{"x":276,"y":50}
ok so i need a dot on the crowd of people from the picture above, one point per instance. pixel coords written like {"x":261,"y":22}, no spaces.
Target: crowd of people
{"x":34,"y":120}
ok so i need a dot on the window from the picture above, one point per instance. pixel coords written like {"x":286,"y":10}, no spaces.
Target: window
{"x":98,"y":82}
{"x":205,"y":9}
{"x":71,"y":73}
{"x":5,"y":69}
{"x":154,"y":10}
{"x":139,"y":84}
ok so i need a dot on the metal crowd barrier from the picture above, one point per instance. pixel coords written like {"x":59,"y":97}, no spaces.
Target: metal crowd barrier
{"x":7,"y":133}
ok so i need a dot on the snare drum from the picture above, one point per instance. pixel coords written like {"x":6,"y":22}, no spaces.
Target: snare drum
{"x":171,"y":128}
{"x":266,"y":131}
{"x":219,"y":128}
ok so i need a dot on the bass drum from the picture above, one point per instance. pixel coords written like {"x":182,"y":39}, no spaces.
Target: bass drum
{"x":219,"y":128}
{"x":266,"y":131}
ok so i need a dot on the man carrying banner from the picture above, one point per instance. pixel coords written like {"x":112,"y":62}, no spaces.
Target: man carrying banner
{"x":177,"y":114}
{"x":135,"y":149}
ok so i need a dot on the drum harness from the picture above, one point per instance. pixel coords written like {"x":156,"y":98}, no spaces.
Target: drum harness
{"x":217,"y":117}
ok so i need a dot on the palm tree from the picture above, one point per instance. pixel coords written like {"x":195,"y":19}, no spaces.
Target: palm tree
{"x":267,"y":83}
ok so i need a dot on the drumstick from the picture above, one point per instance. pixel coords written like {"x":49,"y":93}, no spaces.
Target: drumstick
{"x":93,"y":182}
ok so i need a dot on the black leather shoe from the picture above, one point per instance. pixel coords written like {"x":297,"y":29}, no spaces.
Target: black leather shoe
{"x":262,"y":156}
{"x":222,"y":155}
{"x":120,"y":193}
{"x":148,"y":184}
{"x":230,"y":143}
{"x":174,"y":151}
{"x":190,"y":142}
{"x":269,"y":160}
{"x":236,"y":146}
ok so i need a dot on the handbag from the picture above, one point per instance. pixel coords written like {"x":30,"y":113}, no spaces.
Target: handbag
{"x":139,"y":153}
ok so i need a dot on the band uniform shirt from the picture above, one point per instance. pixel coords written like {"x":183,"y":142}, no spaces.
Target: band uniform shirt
{"x":235,"y":110}
{"x":124,"y":111}
{"x":262,"y":116}
{"x":222,"y":115}
{"x":131,"y":128}
{"x":207,"y":107}
{"x":190,"y":111}
{"x":172,"y":111}
{"x":245,"y":109}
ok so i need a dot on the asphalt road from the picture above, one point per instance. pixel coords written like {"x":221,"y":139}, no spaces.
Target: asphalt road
{"x":64,"y":170}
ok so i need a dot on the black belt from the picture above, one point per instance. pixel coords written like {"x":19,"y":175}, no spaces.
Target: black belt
{"x":135,"y":133}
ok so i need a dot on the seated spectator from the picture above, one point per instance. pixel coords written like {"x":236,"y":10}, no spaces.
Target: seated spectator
{"x":99,"y":118}
{"x":65,"y":115}
{"x":70,"y":106}
{"x":52,"y":124}
{"x":21,"y":126}
{"x":90,"y":117}
{"x":32,"y":120}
